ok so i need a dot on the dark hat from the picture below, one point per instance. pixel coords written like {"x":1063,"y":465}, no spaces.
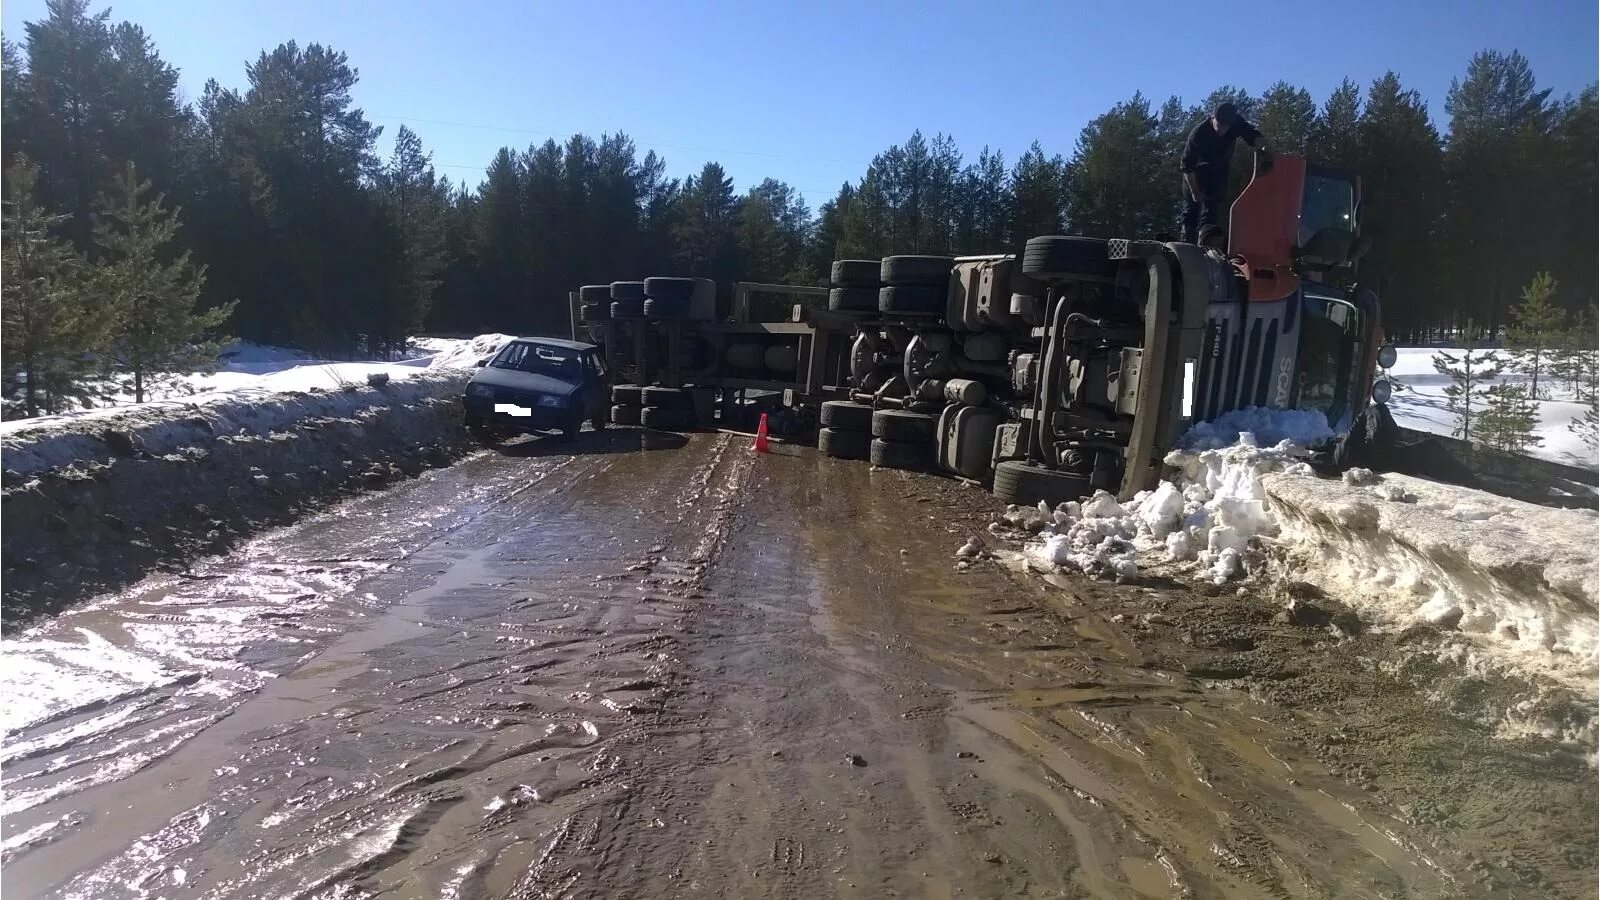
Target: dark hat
{"x":1226,"y":113}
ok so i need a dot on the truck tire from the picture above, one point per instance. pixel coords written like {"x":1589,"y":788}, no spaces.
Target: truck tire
{"x":667,"y":398}
{"x":1026,"y":483}
{"x":665,"y":308}
{"x":915,"y":269}
{"x":627,"y":309}
{"x":844,"y":444}
{"x":678,"y":289}
{"x":853,"y":299}
{"x":900,"y":455}
{"x":625,"y":414}
{"x":627,"y":290}
{"x":901,"y":426}
{"x":855,"y":273}
{"x":595,"y":312}
{"x":666,"y":419}
{"x":595,"y":293}
{"x":913,"y":299}
{"x":846,"y":415}
{"x":1060,"y":258}
{"x":627,"y":395}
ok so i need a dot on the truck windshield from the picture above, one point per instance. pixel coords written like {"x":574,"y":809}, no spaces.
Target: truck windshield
{"x":1328,"y":203}
{"x":1329,"y":339}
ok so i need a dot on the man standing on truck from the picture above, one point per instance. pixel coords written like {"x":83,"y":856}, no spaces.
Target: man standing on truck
{"x":1205,"y":167}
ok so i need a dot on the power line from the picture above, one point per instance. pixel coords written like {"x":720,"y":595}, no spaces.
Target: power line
{"x":650,"y":143}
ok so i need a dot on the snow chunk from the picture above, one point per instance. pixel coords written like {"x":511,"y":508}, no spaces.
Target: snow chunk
{"x":1256,"y":425}
{"x":1360,"y":476}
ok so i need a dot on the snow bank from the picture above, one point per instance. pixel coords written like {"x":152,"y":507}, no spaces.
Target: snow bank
{"x":96,"y":498}
{"x":1519,"y":581}
{"x":1515,"y":581}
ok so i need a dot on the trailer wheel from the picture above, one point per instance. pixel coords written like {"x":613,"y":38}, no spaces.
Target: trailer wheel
{"x":625,"y":414}
{"x":841,"y":444}
{"x":901,"y":455}
{"x":667,"y":398}
{"x":661,"y":288}
{"x":855,"y":273}
{"x":627,"y":290}
{"x":853,"y":299}
{"x":665,"y":308}
{"x":1054,"y":258}
{"x":1027,"y":484}
{"x":907,"y":270}
{"x":595,"y":293}
{"x":627,"y":309}
{"x":666,"y":419}
{"x":595,"y":312}
{"x":905,"y":427}
{"x":846,"y":415}
{"x":913,"y":299}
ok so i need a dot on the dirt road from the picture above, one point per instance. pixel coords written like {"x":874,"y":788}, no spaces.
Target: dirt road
{"x":690,"y":671}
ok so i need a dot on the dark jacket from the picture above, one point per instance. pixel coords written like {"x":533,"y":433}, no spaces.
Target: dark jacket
{"x":1207,"y":152}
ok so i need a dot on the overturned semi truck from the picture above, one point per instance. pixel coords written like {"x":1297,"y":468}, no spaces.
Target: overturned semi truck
{"x":1071,"y":368}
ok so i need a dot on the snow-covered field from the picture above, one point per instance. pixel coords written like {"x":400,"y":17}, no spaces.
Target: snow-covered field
{"x":1419,"y":403}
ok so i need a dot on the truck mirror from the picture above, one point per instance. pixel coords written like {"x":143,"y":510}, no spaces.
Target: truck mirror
{"x":1387,"y":356}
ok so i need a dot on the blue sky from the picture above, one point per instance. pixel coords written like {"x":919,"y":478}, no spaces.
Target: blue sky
{"x":809,"y":92}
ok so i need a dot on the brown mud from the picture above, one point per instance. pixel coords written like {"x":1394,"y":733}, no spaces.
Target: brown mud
{"x":697,"y":672}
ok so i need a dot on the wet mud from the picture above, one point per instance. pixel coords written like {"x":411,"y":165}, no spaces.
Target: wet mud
{"x":691,"y":671}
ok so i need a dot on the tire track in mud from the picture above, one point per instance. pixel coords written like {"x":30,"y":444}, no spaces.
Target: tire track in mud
{"x":487,"y":690}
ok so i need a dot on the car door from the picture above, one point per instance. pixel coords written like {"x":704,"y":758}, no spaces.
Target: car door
{"x":596,"y":392}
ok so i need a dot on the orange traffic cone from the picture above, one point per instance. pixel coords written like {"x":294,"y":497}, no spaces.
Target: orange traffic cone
{"x":761,"y":436}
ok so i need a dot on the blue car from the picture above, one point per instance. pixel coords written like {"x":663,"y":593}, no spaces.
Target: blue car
{"x":538,"y":384}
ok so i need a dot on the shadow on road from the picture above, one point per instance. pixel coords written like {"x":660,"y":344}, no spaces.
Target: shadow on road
{"x":610,"y":440}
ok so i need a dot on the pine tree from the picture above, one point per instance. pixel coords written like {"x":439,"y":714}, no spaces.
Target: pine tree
{"x":49,"y":331}
{"x":1587,"y":426}
{"x":159,"y":329}
{"x":1469,"y":372}
{"x":414,"y":201}
{"x":1507,"y":418}
{"x":1119,"y":175}
{"x":1334,"y":141}
{"x":1039,"y":189}
{"x":1536,"y":326}
{"x":1287,"y":115}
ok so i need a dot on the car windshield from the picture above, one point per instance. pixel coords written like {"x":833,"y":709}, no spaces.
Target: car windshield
{"x":1328,"y":342}
{"x":1328,"y":203}
{"x":541,"y":359}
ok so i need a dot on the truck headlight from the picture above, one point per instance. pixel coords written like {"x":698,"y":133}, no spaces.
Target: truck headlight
{"x":1381,"y":390}
{"x":480,"y":390}
{"x":552,"y":400}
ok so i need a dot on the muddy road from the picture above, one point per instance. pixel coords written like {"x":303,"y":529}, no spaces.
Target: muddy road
{"x":669,"y":668}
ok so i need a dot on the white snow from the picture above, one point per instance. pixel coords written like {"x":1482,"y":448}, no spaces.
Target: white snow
{"x":1515,"y":584}
{"x":282,"y":390}
{"x":1419,"y":402}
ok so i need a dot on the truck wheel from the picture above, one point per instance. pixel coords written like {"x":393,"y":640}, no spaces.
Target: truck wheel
{"x":913,"y":299}
{"x":844,"y":444}
{"x":845,"y":415}
{"x":1053,"y":258}
{"x":595,"y":312}
{"x":855,"y":273}
{"x":908,"y":270}
{"x":672,"y":289}
{"x":900,"y":455}
{"x":627,"y":290}
{"x":853,"y":299}
{"x":904,"y":427}
{"x":627,"y":395}
{"x":666,"y":308}
{"x":625,"y":415}
{"x":595,"y":294}
{"x":1026,"y":483}
{"x":666,"y":398}
{"x":666,"y":419}
{"x":627,"y":309}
